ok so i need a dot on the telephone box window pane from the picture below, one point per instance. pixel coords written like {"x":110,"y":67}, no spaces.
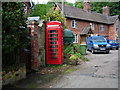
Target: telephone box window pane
{"x":52,"y":31}
{"x":52,"y":42}
{"x":52,"y":39}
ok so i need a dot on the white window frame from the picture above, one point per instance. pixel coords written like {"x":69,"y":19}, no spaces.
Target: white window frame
{"x":101,"y":27}
{"x":74,"y":24}
{"x":75,"y":38}
{"x":92,"y":26}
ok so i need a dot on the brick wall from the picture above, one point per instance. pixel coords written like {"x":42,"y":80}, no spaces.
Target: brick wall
{"x":117,"y":33}
{"x":108,"y":32}
{"x":37,"y":45}
{"x":111,"y":32}
{"x":82,"y":24}
{"x":34,"y":45}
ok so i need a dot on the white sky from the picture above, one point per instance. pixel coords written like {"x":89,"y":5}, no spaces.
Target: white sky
{"x":45,"y":1}
{"x":73,"y":1}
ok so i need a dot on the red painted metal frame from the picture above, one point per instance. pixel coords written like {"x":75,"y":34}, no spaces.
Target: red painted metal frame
{"x":54,"y":43}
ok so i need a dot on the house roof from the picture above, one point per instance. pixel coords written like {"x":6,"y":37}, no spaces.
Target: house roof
{"x":78,"y":13}
{"x":85,"y":30}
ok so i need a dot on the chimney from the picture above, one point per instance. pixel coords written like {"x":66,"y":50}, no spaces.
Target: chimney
{"x":106,"y":11}
{"x":87,"y":5}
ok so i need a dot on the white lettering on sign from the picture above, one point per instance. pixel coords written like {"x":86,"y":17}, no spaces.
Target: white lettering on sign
{"x":53,"y":25}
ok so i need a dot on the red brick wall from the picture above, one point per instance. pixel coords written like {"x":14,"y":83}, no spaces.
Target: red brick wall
{"x":117,"y":32}
{"x":111,"y":32}
{"x":34,"y":46}
{"x":99,"y":32}
{"x":86,"y":6}
{"x":108,"y":32}
{"x":82,"y":24}
{"x":106,"y":11}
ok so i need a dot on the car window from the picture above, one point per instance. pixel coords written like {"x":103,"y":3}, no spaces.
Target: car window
{"x":113,"y":41}
{"x":99,"y":39}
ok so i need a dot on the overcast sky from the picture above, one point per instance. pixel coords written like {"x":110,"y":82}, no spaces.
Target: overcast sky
{"x":45,"y":1}
{"x":73,"y":1}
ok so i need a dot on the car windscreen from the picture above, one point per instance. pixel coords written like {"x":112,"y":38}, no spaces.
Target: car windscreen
{"x":98,"y":39}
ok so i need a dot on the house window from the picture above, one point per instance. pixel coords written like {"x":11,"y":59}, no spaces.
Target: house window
{"x":117,"y":27}
{"x":74,"y":24}
{"x":101,"y":27}
{"x":92,"y":26}
{"x":75,"y":38}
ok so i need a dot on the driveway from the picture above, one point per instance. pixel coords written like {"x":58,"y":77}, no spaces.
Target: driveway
{"x":101,"y":71}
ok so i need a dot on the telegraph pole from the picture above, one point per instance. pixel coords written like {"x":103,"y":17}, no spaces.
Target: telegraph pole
{"x":63,"y":8}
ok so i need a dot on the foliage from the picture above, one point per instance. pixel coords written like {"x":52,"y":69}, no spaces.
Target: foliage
{"x":67,"y":49}
{"x":79,"y":55}
{"x":53,"y":15}
{"x":97,"y":7}
{"x":86,"y":59}
{"x":71,"y":53}
{"x":65,"y":2}
{"x":73,"y":57}
{"x":12,"y":18}
{"x":14,"y":37}
{"x":57,"y":66}
{"x":77,"y":48}
{"x":114,"y":7}
{"x":79,"y":4}
{"x":71,"y":69}
{"x":40,"y":10}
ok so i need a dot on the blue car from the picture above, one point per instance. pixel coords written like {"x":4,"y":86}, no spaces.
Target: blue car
{"x":97,"y":44}
{"x":113,"y":44}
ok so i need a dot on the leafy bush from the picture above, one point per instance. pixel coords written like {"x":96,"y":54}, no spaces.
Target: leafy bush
{"x":71,"y":52}
{"x":77,"y":48}
{"x":73,"y":57}
{"x":67,"y":48}
{"x":86,"y":59}
{"x":79,"y":55}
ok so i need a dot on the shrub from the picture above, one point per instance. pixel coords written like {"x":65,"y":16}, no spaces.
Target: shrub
{"x":73,"y":57}
{"x":86,"y":59}
{"x":79,"y":55}
{"x":73,"y":60}
{"x":67,"y":48}
{"x":77,"y":48}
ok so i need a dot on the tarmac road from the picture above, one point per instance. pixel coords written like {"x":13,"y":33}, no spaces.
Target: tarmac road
{"x":101,"y":71}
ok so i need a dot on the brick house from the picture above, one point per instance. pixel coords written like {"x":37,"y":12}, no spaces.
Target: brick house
{"x":102,"y":24}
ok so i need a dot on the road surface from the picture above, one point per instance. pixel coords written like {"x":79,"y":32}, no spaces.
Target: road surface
{"x":101,"y":71}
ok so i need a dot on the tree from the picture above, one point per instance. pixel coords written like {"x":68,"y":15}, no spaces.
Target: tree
{"x":79,"y":4}
{"x":40,"y":10}
{"x":97,"y":7}
{"x":114,"y":7}
{"x":52,"y":2}
{"x":53,"y":15}
{"x":13,"y":36}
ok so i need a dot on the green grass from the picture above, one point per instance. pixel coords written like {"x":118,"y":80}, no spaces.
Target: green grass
{"x":70,"y":70}
{"x":32,"y":85}
{"x":57,"y":66}
{"x":86,"y":59}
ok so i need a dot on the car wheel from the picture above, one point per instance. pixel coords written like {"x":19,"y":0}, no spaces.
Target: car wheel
{"x":107,"y":52}
{"x":87,"y":49}
{"x":117,"y":48}
{"x":92,"y":51}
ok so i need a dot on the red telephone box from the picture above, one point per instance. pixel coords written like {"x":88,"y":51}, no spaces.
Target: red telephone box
{"x":54,"y":43}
